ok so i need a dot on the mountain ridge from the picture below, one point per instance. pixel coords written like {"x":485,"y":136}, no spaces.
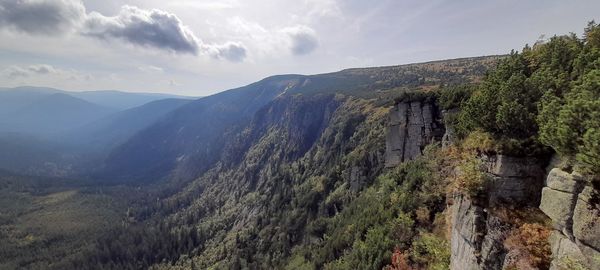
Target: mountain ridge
{"x":184,"y":127}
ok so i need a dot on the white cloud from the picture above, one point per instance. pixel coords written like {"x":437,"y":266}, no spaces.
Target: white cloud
{"x":212,"y":5}
{"x":323,"y":8}
{"x":276,"y":41}
{"x":173,"y":83}
{"x":151,"y":69}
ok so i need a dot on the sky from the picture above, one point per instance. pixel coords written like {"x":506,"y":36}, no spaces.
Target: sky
{"x":201,"y":47}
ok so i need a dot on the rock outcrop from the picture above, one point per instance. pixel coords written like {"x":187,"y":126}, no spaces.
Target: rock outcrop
{"x":411,"y":126}
{"x":573,"y":207}
{"x":450,"y":135}
{"x":478,"y":234}
{"x":566,"y":198}
{"x":468,"y":223}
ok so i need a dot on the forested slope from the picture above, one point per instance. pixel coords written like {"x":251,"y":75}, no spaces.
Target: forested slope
{"x":301,"y":184}
{"x":264,"y":172}
{"x":422,"y":166}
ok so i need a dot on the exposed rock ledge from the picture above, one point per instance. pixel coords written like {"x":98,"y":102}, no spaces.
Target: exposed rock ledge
{"x":574,"y":210}
{"x":477,"y":235}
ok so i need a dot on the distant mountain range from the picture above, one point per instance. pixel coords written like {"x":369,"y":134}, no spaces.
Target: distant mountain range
{"x":117,"y":100}
{"x":41,"y":126}
{"x":149,"y":136}
{"x":115,"y":128}
{"x":189,"y":140}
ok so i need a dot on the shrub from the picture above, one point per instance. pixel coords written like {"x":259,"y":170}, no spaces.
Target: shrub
{"x":548,"y":94}
{"x":431,"y":251}
{"x":454,"y":96}
{"x":570,"y":124}
{"x":479,"y":142}
{"x":530,"y":240}
{"x":399,"y":261}
{"x":410,"y":96}
{"x":422,"y":215}
{"x":298,"y":262}
{"x":402,"y":229}
{"x":470,"y":179}
{"x":505,"y":103}
{"x":589,"y":152}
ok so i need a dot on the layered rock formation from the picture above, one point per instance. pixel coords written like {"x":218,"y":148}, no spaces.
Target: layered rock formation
{"x":566,"y":198}
{"x":573,"y":207}
{"x":478,"y":234}
{"x":411,"y":126}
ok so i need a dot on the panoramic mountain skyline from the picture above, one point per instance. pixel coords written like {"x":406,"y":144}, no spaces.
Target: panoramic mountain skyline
{"x":307,"y":134}
{"x":198,"y":48}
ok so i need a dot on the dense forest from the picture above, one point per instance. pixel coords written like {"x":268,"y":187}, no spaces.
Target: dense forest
{"x":297,"y":179}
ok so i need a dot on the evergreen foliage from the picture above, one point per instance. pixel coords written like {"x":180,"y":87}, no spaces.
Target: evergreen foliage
{"x":547,"y":95}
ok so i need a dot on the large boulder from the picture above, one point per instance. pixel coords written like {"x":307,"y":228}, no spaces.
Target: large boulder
{"x":563,"y":181}
{"x":574,"y":210}
{"x":559,"y":198}
{"x":558,"y":206}
{"x":586,"y":218}
{"x":565,"y":253}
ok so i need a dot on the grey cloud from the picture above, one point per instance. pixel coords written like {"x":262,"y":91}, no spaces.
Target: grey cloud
{"x":42,"y":69}
{"x":303,"y":39}
{"x":150,"y":28}
{"x":47,"y":17}
{"x":16,"y":71}
{"x":232,"y":51}
{"x":147,"y":28}
{"x":43,"y":72}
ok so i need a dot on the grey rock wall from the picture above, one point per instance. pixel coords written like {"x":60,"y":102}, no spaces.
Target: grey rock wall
{"x":566,"y":198}
{"x":468,"y":222}
{"x":478,"y":235}
{"x":514,"y":181}
{"x":411,"y":126}
{"x":573,"y":207}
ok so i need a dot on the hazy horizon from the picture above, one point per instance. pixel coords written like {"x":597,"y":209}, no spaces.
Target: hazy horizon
{"x":234,"y":87}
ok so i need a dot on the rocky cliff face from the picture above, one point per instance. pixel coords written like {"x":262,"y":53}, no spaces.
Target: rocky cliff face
{"x":477,"y":233}
{"x":284,"y":159}
{"x":411,"y":126}
{"x":573,"y":207}
{"x":478,"y":230}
